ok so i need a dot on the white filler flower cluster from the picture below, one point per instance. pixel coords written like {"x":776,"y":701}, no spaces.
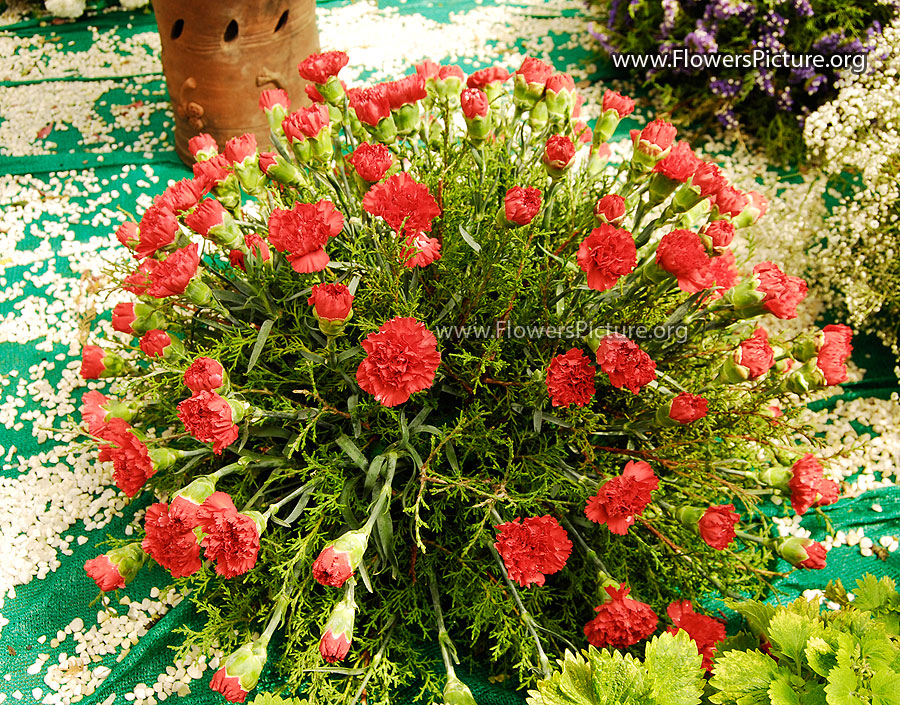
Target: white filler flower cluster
{"x":858,"y":133}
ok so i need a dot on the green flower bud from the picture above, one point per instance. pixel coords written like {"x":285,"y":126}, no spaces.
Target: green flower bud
{"x":332,"y":91}
{"x":807,"y":346}
{"x":689,"y":516}
{"x":606,"y":126}
{"x":407,"y":118}
{"x":128,"y":560}
{"x":805,"y":378}
{"x":198,"y":293}
{"x":777,"y":477}
{"x":539,"y":116}
{"x":163,"y":458}
{"x":229,"y":192}
{"x":197,"y":491}
{"x":457,"y":693}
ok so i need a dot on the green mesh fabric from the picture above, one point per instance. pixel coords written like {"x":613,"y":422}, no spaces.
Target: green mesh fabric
{"x":43,"y":607}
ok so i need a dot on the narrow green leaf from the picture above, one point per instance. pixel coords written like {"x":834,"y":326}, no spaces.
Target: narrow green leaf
{"x":355,"y":454}
{"x":469,"y":239}
{"x":260,"y":342}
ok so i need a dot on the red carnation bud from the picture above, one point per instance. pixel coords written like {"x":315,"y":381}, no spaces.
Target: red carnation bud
{"x":720,"y":233}
{"x":405,"y":91}
{"x":755,"y":355}
{"x":337,"y":634}
{"x":370,"y":104}
{"x":610,"y":209}
{"x":333,"y":307}
{"x":620,"y":621}
{"x":122,"y":318}
{"x":157,"y":230}
{"x":203,"y":147}
{"x":97,"y":364}
{"x":274,"y":97}
{"x":239,"y":148}
{"x":127,"y":234}
{"x":306,"y":123}
{"x":621,"y":498}
{"x":474,"y":103}
{"x":240,"y":672}
{"x":337,"y":561}
{"x":679,"y":165}
{"x":570,"y":379}
{"x":754,"y":210}
{"x":156,"y":343}
{"x":559,"y":154}
{"x":116,"y":568}
{"x":521,"y":205}
{"x":834,"y":353}
{"x":656,"y":139}
{"x":212,"y":172}
{"x":730,"y":201}
{"x":708,"y":180}
{"x":802,"y":552}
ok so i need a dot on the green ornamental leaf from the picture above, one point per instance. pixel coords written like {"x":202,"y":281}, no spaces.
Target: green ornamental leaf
{"x":756,"y":613}
{"x":743,"y":641}
{"x":575,"y":682}
{"x":743,"y":678}
{"x":618,"y":679}
{"x":875,"y":595}
{"x":842,"y":687}
{"x":782,"y":691}
{"x":885,"y":687}
{"x":674,"y":669}
{"x":789,"y":632}
{"x":272,"y":699}
{"x":820,"y":656}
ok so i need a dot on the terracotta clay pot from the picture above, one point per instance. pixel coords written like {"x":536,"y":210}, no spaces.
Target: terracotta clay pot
{"x":219,"y":56}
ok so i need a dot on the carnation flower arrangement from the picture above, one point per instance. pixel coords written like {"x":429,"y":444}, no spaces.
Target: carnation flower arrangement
{"x":770,"y":102}
{"x":857,"y":139}
{"x":440,"y":365}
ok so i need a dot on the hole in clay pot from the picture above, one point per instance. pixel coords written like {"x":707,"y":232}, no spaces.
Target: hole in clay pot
{"x":282,"y":21}
{"x":231,"y":31}
{"x":177,"y":29}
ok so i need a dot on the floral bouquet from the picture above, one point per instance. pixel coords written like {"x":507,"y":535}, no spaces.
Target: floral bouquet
{"x":769,"y":100}
{"x":440,"y":364}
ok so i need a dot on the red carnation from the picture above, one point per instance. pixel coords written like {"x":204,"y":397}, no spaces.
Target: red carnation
{"x":273,"y":97}
{"x":302,"y":233}
{"x":405,"y":91}
{"x":720,"y":233}
{"x":717,"y":524}
{"x":607,"y":254}
{"x":204,"y":373}
{"x":756,"y":354}
{"x":621,"y":498}
{"x":610,"y":209}
{"x":334,"y":648}
{"x":203,"y":146}
{"x":559,"y":152}
{"x":405,"y":204}
{"x":332,"y":302}
{"x":834,"y":353}
{"x":621,"y":621}
{"x":92,"y":362}
{"x":306,"y":123}
{"x":731,"y":201}
{"x":687,"y":408}
{"x":420,"y":250}
{"x":171,"y":276}
{"x":532,"y":548}
{"x":535,"y":71}
{"x":132,"y":466}
{"x":681,"y":253}
{"x":157,"y":229}
{"x":332,"y":567}
{"x":232,"y":538}
{"x":708,"y":179}
{"x":680,"y":164}
{"x":180,"y":196}
{"x":208,"y":417}
{"x":474,"y":103}
{"x":122,"y":318}
{"x":318,"y":68}
{"x":229,"y":687}
{"x":170,"y":539}
{"x":559,"y":82}
{"x":782,"y":292}
{"x":93,"y":413}
{"x":371,"y":161}
{"x":485,"y":77}
{"x":626,"y":364}
{"x":401,"y":359}
{"x":154,"y":342}
{"x":522,"y":204}
{"x":239,"y":148}
{"x":127,"y":234}
{"x":721,"y":272}
{"x":807,"y":484}
{"x":212,"y":172}
{"x":705,"y":631}
{"x":103,"y":572}
{"x":208,"y":215}
{"x":370,"y":104}
{"x":570,"y":379}
{"x":656,"y":138}
{"x":816,"y":560}
{"x":829,"y":492}
{"x":623,"y":105}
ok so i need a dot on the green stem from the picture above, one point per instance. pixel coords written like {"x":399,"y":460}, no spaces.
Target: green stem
{"x":275,"y":620}
{"x":589,"y":552}
{"x":448,"y":651}
{"x":296,"y":493}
